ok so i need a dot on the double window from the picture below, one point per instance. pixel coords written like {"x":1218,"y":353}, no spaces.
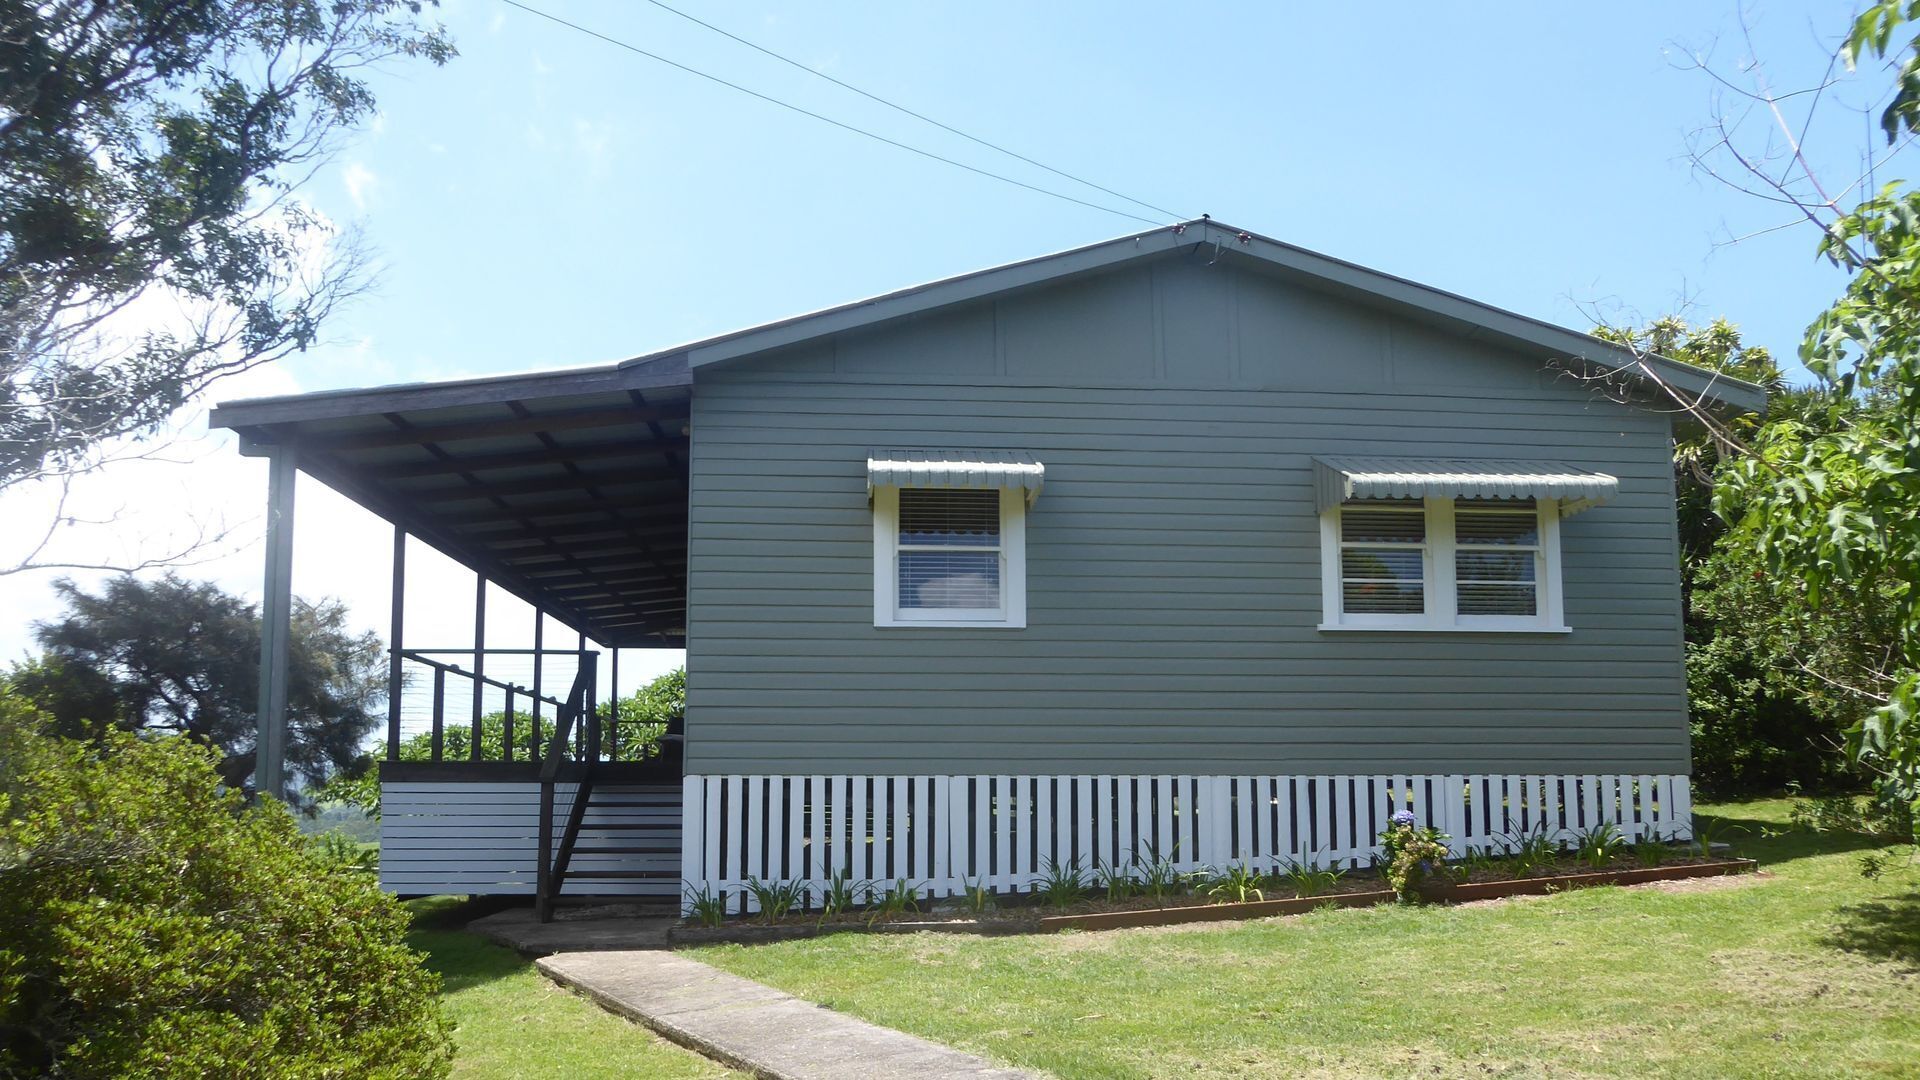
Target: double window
{"x":949,"y":557}
{"x":1441,"y":564}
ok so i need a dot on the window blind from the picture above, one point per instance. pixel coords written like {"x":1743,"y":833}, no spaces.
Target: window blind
{"x":1383,"y":558}
{"x":1496,"y":557}
{"x":949,"y":549}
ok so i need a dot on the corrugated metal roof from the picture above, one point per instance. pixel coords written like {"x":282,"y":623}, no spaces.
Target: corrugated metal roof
{"x":956,"y":469}
{"x":1337,"y":479}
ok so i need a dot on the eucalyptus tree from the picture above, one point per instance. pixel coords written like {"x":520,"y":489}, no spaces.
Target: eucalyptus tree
{"x":152,"y":238}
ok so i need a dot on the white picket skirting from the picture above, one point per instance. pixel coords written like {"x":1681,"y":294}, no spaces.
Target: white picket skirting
{"x":943,"y":833}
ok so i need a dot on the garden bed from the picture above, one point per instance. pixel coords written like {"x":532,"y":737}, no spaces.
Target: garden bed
{"x":1023,"y":915}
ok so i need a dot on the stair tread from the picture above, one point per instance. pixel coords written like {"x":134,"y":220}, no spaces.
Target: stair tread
{"x":621,"y":875}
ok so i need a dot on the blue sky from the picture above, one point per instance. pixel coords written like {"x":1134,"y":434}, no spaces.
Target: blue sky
{"x":548,"y":200}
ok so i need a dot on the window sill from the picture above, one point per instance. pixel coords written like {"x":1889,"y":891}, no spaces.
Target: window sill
{"x":1410,"y":629}
{"x":948,"y":624}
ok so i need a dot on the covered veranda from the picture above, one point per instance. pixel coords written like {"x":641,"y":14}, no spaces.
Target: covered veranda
{"x":567,"y":490}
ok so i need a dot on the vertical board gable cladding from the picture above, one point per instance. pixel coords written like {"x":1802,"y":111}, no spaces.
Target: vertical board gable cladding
{"x":1173,"y":565}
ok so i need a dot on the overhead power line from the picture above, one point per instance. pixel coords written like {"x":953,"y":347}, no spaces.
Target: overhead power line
{"x":771,"y":100}
{"x":897,"y":107}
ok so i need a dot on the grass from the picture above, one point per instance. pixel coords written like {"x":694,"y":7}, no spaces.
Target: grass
{"x":511,"y":1022}
{"x":1808,"y":970}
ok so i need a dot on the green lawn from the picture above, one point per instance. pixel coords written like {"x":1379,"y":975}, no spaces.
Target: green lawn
{"x":511,"y":1023}
{"x":1810,"y":970}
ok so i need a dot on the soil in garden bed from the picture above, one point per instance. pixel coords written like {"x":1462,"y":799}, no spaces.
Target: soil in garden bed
{"x":1024,"y":912}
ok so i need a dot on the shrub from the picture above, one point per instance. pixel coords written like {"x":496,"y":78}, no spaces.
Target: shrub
{"x":1413,"y":855}
{"x":1061,"y":884}
{"x":1879,"y":816}
{"x":1237,"y":885}
{"x":776,"y":898}
{"x":153,"y":925}
{"x":1598,"y":845}
{"x":1308,"y":878}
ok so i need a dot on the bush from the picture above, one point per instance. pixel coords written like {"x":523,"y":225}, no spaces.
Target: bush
{"x":153,"y":925}
{"x":1413,"y":856}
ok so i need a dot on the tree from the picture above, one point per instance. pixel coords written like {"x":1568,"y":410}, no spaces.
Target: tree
{"x":1832,"y":504}
{"x":182,"y":657}
{"x":642,"y":718}
{"x":1763,"y":714}
{"x":154,"y":925}
{"x":1719,"y":347}
{"x":150,"y":152}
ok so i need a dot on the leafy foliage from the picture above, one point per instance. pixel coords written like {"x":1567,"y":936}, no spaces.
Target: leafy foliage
{"x":1650,"y":849}
{"x":842,"y":893}
{"x":1764,"y":714}
{"x":152,"y":924}
{"x":776,"y":898}
{"x":705,"y":906}
{"x":1882,"y":819}
{"x":1598,"y":845}
{"x":892,"y":901}
{"x":642,"y":718}
{"x":1061,"y":884}
{"x":148,"y":152}
{"x":1307,"y":877}
{"x":1236,"y":885}
{"x":1530,"y":852}
{"x":1832,"y":505}
{"x":181,"y":657}
{"x":1774,"y":682}
{"x":1413,"y":856}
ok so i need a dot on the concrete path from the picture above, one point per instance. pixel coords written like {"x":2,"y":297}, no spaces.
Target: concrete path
{"x":575,"y":929}
{"x":753,"y":1027}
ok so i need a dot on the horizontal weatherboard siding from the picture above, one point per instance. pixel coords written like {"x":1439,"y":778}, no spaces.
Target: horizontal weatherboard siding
{"x":1173,"y":572}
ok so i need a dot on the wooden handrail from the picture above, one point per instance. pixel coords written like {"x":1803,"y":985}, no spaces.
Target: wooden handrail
{"x":546,"y":871}
{"x":456,"y":669}
{"x":563,"y":722}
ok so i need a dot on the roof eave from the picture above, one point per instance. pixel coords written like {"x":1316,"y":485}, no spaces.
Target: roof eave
{"x":658,"y":372}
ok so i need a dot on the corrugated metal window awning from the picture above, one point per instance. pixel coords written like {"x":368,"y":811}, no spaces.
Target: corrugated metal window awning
{"x":1337,"y":479}
{"x":993,"y":469}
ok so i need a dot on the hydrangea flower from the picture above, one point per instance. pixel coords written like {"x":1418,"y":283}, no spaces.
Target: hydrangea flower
{"x":1403,"y":817}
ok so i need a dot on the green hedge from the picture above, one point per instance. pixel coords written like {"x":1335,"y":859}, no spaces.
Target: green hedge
{"x":153,"y":925}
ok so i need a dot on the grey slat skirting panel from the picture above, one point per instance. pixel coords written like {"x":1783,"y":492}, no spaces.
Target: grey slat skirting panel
{"x":481,"y":838}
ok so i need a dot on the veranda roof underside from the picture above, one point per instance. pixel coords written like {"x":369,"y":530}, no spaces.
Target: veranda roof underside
{"x":567,"y":489}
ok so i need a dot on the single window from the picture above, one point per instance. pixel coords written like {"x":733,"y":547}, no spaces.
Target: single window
{"x":1441,"y":564}
{"x":949,"y":557}
{"x":949,"y":551}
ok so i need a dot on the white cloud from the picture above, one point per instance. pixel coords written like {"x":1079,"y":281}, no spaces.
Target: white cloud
{"x":360,"y":182}
{"x":594,"y":140}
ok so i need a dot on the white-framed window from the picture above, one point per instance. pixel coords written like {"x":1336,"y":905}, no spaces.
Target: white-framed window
{"x":1442,"y":564}
{"x":949,"y":557}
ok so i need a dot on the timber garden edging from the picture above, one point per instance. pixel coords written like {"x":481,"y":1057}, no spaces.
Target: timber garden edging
{"x":747,"y":934}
